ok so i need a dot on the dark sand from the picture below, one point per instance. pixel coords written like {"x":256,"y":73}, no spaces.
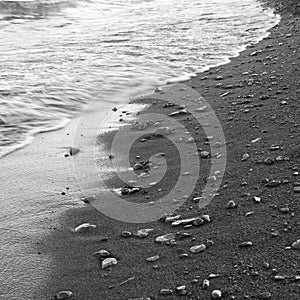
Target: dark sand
{"x":243,"y":272}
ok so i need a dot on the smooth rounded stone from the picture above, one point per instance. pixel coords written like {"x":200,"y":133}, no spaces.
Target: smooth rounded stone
{"x":166,"y":292}
{"x":181,"y":290}
{"x":216,"y":294}
{"x":297,"y":189}
{"x":204,"y":154}
{"x":206,"y":218}
{"x":172,"y":219}
{"x":126,"y":234}
{"x":152,"y":258}
{"x":246,"y":244}
{"x":198,"y":222}
{"x":64,"y":295}
{"x":231,"y":204}
{"x":245,"y":156}
{"x":265,"y":295}
{"x":196,"y":199}
{"x":142,"y":233}
{"x":284,"y":210}
{"x":109,"y":262}
{"x":296,"y":245}
{"x":85,"y":227}
{"x":198,"y":248}
{"x":165,"y":238}
{"x":101,"y":253}
{"x":205,"y":284}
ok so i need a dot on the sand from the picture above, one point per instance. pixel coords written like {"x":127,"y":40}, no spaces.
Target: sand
{"x":259,"y":113}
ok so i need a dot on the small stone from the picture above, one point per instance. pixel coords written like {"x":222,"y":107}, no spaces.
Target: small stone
{"x":198,"y":221}
{"x":172,"y":219}
{"x":166,"y":292}
{"x":181,"y":290}
{"x":101,"y":253}
{"x":126,"y":234}
{"x":296,"y":245}
{"x":198,"y":248}
{"x":284,"y":210}
{"x":205,"y":284}
{"x":165,"y":238}
{"x":152,"y":258}
{"x":212,"y":275}
{"x":84,"y":227}
{"x":279,"y":277}
{"x":245,"y":156}
{"x":109,"y":262}
{"x":246,"y":244}
{"x":142,"y":233}
{"x":64,"y":295}
{"x":206,"y":218}
{"x":297,"y":189}
{"x":231,"y":204}
{"x":265,"y":295}
{"x":216,"y":294}
{"x":256,"y":199}
{"x":204,"y":154}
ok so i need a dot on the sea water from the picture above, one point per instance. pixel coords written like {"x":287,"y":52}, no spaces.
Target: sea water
{"x":57,"y":56}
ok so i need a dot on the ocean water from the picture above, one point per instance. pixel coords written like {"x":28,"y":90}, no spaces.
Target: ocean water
{"x":57,"y":56}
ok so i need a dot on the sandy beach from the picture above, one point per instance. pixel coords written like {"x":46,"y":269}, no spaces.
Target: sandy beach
{"x":253,"y":219}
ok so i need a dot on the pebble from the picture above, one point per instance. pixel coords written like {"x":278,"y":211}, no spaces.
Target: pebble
{"x":109,"y":262}
{"x":142,"y":233}
{"x":166,"y":292}
{"x":172,"y":219}
{"x":245,"y":156}
{"x":296,"y":245}
{"x":205,"y":284}
{"x":206,"y":218}
{"x":101,"y":253}
{"x":297,"y":189}
{"x":231,"y":204}
{"x":204,"y":154}
{"x":198,"y":248}
{"x":246,"y":244}
{"x":126,"y":234}
{"x":152,"y":258}
{"x":284,"y":210}
{"x":183,"y":222}
{"x":256,"y":199}
{"x":198,"y":221}
{"x":216,"y":294}
{"x":64,"y":295}
{"x":84,"y":227}
{"x":165,"y":238}
{"x":265,"y":295}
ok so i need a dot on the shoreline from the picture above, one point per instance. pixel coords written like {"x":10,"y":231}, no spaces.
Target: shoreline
{"x":262,"y":92}
{"x":78,"y":270}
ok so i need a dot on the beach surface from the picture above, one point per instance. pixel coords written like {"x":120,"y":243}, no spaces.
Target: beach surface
{"x":248,"y":253}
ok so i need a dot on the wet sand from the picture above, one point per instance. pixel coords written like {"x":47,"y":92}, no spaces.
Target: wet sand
{"x":256,"y":99}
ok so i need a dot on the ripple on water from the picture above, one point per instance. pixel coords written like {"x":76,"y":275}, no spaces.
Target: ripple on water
{"x":58,"y":57}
